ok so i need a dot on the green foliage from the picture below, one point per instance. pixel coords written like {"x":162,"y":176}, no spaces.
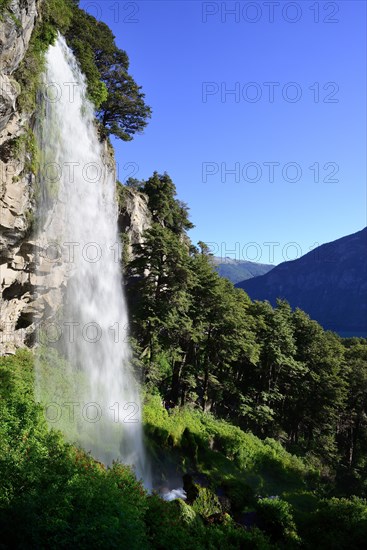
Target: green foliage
{"x":125,"y":256}
{"x":233,"y":459}
{"x":176,"y":525}
{"x":97,"y":90}
{"x":52,"y":494}
{"x":276,"y":518}
{"x":241,"y":495}
{"x":230,"y":537}
{"x":165,"y":209}
{"x":270,"y":370}
{"x":56,"y":15}
{"x":25,"y":146}
{"x":7,"y":13}
{"x":133,"y":183}
{"x":337,"y":524}
{"x":4,"y":5}
{"x":206,"y":503}
{"x":173,"y":524}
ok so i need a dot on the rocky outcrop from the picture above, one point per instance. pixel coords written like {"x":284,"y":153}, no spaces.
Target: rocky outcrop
{"x":134,"y":218}
{"x":8,"y":96}
{"x":15,"y":33}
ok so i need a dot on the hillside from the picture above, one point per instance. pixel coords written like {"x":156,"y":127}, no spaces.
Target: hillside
{"x":329,"y":283}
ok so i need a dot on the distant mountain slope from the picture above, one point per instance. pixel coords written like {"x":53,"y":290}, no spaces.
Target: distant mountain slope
{"x":329,"y":283}
{"x":239,"y":270}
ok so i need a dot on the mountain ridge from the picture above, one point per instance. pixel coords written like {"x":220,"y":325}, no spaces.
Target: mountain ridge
{"x":329,"y":283}
{"x":239,"y":270}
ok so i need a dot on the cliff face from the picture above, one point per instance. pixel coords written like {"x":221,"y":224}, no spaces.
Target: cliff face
{"x":134,"y":218}
{"x":16,"y":183}
{"x":15,"y":33}
{"x":32,"y":282}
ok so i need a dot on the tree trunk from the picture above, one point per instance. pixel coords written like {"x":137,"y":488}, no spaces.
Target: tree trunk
{"x":205,"y":387}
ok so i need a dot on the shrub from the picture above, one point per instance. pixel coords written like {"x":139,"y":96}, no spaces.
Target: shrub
{"x":173,"y":525}
{"x":337,"y":524}
{"x":239,"y":493}
{"x":231,"y":537}
{"x":276,"y":519}
{"x":206,"y":503}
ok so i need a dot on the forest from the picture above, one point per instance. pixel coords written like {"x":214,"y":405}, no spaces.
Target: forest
{"x":271,"y":371}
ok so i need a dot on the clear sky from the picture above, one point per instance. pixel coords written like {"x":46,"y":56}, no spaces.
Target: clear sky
{"x":281,"y":159}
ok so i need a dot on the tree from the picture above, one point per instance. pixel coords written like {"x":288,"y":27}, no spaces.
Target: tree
{"x":165,"y":208}
{"x":352,"y":429}
{"x":272,"y":379}
{"x":119,"y":101}
{"x":159,"y":276}
{"x":222,"y":333}
{"x":319,"y":404}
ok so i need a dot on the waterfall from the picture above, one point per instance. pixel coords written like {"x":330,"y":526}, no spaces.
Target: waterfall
{"x":95,"y":398}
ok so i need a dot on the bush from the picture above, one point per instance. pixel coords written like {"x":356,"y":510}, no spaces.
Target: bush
{"x":231,"y":537}
{"x":206,"y":503}
{"x":240,"y":494}
{"x":176,"y":525}
{"x":53,"y":495}
{"x":173,"y":525}
{"x":337,"y":524}
{"x":276,"y":519}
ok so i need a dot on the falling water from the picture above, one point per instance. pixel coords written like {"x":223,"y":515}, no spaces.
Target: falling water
{"x":96,"y":400}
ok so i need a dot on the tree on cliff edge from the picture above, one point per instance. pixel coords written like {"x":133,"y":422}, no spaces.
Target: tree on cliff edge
{"x":119,"y":101}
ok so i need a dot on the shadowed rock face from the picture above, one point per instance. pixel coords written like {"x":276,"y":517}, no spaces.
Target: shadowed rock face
{"x":329,"y":283}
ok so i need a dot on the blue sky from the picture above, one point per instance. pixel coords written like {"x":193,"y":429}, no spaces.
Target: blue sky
{"x":293,"y":130}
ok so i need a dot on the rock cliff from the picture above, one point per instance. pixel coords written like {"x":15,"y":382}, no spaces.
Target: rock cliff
{"x":16,"y":183}
{"x":134,"y":218}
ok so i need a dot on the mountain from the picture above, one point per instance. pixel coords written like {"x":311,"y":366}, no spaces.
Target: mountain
{"x":239,"y":270}
{"x":329,"y":283}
